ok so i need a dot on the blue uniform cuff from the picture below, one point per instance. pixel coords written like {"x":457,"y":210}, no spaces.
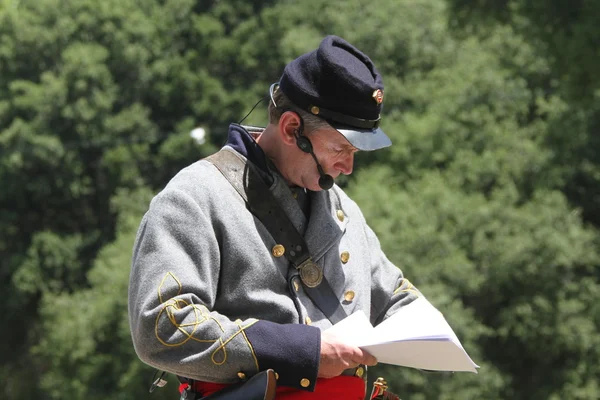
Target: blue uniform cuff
{"x":292,"y":350}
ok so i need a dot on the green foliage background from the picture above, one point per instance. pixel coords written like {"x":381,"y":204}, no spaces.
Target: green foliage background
{"x":489,"y":199}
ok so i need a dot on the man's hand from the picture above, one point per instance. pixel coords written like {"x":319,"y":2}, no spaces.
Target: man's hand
{"x":336,"y":356}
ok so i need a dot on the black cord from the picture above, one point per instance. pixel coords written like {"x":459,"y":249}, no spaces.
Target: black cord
{"x":250,"y":112}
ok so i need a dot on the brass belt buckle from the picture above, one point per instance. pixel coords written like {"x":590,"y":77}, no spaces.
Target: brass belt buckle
{"x":310,"y":273}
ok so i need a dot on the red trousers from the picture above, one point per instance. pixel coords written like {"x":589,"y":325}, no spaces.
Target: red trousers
{"x":340,"y":387}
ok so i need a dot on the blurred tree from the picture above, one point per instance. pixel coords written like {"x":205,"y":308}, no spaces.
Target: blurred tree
{"x":511,"y":279}
{"x":78,"y":120}
{"x":86,"y":347}
{"x":97,"y":100}
{"x":566,"y":34}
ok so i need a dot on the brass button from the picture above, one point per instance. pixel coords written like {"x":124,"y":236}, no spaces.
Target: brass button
{"x":349,"y":295}
{"x":360,"y":371}
{"x":340,"y":215}
{"x":308,"y":321}
{"x":241,"y":375}
{"x":315,"y":110}
{"x":276,"y":376}
{"x":296,"y":284}
{"x":295,"y":195}
{"x":345,"y":256}
{"x":278,"y":250}
{"x":304,"y":382}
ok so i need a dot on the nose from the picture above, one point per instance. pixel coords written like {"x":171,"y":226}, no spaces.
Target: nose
{"x":345,"y":165}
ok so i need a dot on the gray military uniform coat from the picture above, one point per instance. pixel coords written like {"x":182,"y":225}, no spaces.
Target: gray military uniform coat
{"x":210,"y":301}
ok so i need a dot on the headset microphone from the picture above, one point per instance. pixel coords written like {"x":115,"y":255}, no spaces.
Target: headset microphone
{"x":325,"y":181}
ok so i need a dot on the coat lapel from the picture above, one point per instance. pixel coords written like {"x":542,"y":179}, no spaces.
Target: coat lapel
{"x":324,"y":227}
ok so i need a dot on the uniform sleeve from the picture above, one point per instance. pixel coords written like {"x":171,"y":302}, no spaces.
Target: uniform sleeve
{"x":390,"y":289}
{"x":172,"y":292}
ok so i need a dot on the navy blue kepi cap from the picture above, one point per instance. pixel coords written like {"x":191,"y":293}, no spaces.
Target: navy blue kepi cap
{"x":339,"y":83}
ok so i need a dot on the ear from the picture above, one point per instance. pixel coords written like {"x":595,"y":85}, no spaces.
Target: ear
{"x":289,"y":125}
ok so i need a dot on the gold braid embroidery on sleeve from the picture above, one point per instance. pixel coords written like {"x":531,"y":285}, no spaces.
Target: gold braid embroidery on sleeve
{"x":202,"y":315}
{"x":170,"y":308}
{"x":248,"y":342}
{"x":408,"y":289}
{"x":223,"y":344}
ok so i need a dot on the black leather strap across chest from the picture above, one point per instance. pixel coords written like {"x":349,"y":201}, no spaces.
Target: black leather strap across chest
{"x":261,"y":202}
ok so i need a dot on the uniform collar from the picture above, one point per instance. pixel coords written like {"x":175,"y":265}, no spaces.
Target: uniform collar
{"x":241,"y":140}
{"x":320,"y":229}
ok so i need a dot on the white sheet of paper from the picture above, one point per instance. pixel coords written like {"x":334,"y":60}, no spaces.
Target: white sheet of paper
{"x":417,"y":336}
{"x":418,"y":320}
{"x":353,"y":329}
{"x":436,"y":355}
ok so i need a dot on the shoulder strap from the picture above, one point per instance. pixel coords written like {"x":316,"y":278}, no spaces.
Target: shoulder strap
{"x":261,"y":202}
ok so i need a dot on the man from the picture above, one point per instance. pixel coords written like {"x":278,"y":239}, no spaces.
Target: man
{"x":214,"y":297}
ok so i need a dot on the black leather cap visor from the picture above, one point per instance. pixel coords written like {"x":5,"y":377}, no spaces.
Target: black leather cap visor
{"x":365,"y":139}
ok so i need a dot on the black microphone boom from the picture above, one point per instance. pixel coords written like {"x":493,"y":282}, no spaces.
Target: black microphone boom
{"x":326,"y":180}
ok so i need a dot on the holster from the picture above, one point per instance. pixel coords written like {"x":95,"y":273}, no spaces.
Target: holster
{"x":261,"y":386}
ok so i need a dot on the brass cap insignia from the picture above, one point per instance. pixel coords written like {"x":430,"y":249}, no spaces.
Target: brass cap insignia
{"x":378,"y":96}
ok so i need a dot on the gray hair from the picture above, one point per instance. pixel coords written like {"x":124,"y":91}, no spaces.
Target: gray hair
{"x":312,"y":123}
